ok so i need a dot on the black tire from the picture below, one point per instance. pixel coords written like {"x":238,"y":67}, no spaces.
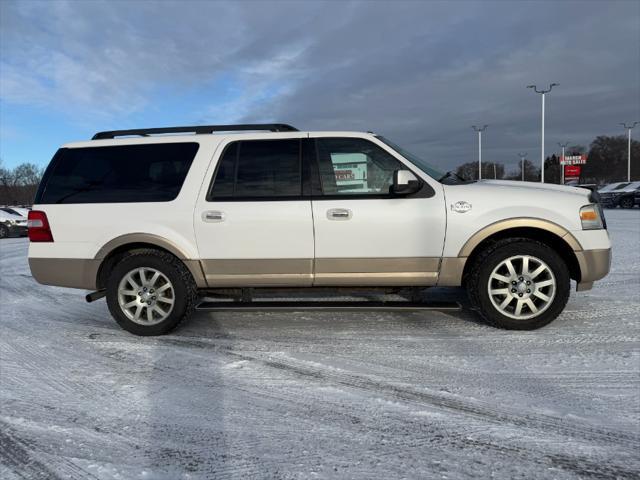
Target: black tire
{"x":4,"y":231}
{"x":477,"y":282}
{"x":626,"y":202}
{"x":184,"y":288}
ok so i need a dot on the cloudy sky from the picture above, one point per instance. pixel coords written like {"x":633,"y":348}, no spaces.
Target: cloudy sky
{"x":421,"y":73}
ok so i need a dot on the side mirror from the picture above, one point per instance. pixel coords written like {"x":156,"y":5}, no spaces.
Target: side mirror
{"x":405,"y":183}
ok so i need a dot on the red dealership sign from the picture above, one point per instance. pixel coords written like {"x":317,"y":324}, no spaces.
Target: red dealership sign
{"x":572,"y":172}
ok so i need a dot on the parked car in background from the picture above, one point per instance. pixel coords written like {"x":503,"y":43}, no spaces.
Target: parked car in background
{"x":12,"y":225}
{"x":21,"y":211}
{"x":624,"y":196}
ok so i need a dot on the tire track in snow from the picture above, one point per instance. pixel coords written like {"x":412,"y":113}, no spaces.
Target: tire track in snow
{"x":405,"y":393}
{"x":574,"y":463}
{"x":15,"y":454}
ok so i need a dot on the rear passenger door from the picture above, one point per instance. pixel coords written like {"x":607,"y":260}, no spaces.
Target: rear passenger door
{"x":253,"y":224}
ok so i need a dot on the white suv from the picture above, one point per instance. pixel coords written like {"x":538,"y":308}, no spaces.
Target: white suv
{"x":157,"y":218}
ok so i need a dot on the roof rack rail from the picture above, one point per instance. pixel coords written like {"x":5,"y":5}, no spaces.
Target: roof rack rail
{"x":198,"y":129}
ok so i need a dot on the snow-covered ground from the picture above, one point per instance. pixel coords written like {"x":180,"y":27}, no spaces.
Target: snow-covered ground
{"x":321,"y":395}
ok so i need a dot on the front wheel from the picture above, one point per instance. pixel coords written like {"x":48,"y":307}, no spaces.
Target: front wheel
{"x":519,"y":284}
{"x":626,"y":202}
{"x":149,"y":292}
{"x":4,"y":231}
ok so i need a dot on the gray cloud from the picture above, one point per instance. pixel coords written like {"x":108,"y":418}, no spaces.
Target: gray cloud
{"x":420,"y":72}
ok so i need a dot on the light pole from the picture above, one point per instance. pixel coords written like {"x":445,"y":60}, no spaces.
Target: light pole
{"x":629,"y":127}
{"x":522,"y":157}
{"x":563,"y":145}
{"x":542,"y":92}
{"x":479,"y":130}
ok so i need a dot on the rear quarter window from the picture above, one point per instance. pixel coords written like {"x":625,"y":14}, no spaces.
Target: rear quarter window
{"x":117,"y":174}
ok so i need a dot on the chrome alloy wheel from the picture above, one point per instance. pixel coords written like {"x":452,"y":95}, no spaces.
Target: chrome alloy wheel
{"x":146,"y":296}
{"x":522,"y":287}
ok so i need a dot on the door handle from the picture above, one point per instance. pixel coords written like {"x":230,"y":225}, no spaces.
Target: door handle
{"x":213,"y":216}
{"x":339,"y":214}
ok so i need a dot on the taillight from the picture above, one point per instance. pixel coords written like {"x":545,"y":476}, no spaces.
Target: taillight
{"x":39,"y":230}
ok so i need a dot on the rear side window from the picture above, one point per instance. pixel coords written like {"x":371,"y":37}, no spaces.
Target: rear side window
{"x":117,"y":174}
{"x":258,"y":169}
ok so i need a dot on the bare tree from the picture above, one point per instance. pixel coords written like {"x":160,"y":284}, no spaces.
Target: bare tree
{"x":18,"y":186}
{"x":490,"y":170}
{"x":531,"y":172}
{"x":607,"y":161}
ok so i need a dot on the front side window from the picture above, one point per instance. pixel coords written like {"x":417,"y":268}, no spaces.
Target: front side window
{"x":117,"y":174}
{"x":354,"y":166}
{"x":258,"y":169}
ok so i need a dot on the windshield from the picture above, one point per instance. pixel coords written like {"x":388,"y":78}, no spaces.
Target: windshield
{"x":612,"y":186}
{"x":628,"y":186}
{"x":417,"y":161}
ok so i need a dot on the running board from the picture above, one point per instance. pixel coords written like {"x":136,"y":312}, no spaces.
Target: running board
{"x":275,"y":306}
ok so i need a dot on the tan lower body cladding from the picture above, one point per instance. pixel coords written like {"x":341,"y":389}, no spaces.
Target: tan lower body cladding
{"x":83,"y":273}
{"x":329,"y":272}
{"x":322,"y":272}
{"x":336,"y":272}
{"x":594,"y":265}
{"x":65,"y":272}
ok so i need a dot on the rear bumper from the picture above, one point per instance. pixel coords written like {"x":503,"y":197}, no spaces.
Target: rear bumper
{"x":65,"y":272}
{"x":594,"y":265}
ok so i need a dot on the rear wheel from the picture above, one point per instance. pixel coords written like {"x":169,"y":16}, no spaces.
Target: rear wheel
{"x":149,"y":292}
{"x":519,"y":284}
{"x":626,"y":202}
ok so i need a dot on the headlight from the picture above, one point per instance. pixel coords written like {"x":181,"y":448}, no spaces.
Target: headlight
{"x":591,"y":218}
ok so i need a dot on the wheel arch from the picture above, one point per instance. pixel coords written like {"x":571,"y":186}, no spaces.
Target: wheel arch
{"x":549,"y":233}
{"x":113,"y":250}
